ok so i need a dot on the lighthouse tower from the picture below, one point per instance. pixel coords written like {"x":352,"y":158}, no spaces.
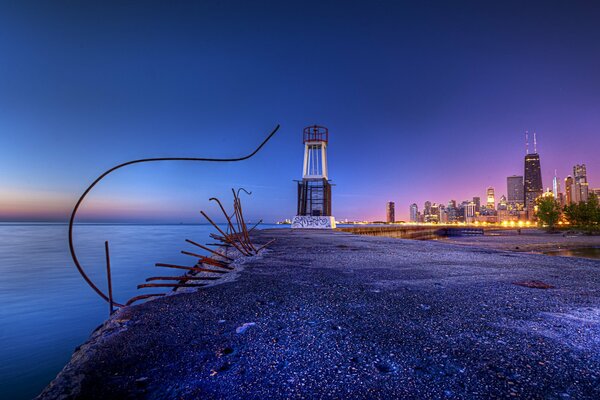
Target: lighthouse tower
{"x":314,"y":190}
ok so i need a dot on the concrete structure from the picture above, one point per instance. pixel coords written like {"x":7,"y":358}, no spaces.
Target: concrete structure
{"x":390,"y":212}
{"x":331,"y":315}
{"x":314,"y":190}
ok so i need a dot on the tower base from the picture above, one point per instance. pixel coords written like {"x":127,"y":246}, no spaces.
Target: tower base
{"x":310,"y":222}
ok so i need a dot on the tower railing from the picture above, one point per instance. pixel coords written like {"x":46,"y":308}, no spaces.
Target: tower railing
{"x":316,"y":133}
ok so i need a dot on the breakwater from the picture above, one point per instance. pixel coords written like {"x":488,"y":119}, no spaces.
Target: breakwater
{"x":414,"y":232}
{"x":333,"y":315}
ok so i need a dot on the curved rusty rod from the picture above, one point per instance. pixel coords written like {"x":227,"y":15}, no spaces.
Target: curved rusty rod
{"x":240,"y":215}
{"x":143,"y":160}
{"x":224,"y":213}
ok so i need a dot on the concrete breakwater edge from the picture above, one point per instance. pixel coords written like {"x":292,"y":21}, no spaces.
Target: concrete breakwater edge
{"x":334,"y":315}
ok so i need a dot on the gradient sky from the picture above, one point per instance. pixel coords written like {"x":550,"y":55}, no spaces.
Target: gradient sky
{"x":424,"y":101}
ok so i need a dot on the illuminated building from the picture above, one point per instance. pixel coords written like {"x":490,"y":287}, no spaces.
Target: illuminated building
{"x":568,"y":190}
{"x":470,"y":212}
{"x":477,"y":201}
{"x":580,"y":188}
{"x":452,"y":211}
{"x":532,"y":183}
{"x":390,"y":212}
{"x":434,"y":214}
{"x":443,"y":219}
{"x":427,"y":208}
{"x":414,"y":212}
{"x":491,"y":198}
{"x":515,"y":194}
{"x":503,"y":204}
{"x":555,"y":186}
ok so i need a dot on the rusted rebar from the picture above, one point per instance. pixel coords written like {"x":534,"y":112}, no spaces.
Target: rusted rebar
{"x":205,"y":260}
{"x":170,"y":285}
{"x":238,"y":206}
{"x":224,"y":213}
{"x":225,"y":236}
{"x":109,"y":277}
{"x":265,"y":245}
{"x":138,"y":161}
{"x":255,"y":225}
{"x":196,"y":269}
{"x":182,"y":278}
{"x":208,"y":249}
{"x":142,"y":297}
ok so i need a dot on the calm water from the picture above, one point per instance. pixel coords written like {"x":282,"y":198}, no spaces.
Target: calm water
{"x":47,"y":309}
{"x":589,"y":252}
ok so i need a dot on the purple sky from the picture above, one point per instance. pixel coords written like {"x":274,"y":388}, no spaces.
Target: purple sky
{"x":423,"y":102}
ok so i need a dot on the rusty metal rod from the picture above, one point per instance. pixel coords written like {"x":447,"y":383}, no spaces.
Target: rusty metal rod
{"x":142,"y":297}
{"x":222,"y":233}
{"x":258,"y":223}
{"x":243,"y":222}
{"x":265,"y":245}
{"x":182,"y":278}
{"x":206,"y":260}
{"x":171,"y":285}
{"x":196,"y":269}
{"x":144,"y":160}
{"x":109,"y":277}
{"x":224,"y":213}
{"x":240,"y":236}
{"x":207,"y":249}
{"x":215,"y":263}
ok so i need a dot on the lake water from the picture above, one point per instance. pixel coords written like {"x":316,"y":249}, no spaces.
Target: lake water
{"x":587,"y":252}
{"x":47,"y":308}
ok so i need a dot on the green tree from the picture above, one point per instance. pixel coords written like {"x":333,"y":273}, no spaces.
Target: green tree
{"x":548,"y":211}
{"x":584,"y":215}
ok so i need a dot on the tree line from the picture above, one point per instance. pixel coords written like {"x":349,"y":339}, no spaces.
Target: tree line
{"x":583,"y":215}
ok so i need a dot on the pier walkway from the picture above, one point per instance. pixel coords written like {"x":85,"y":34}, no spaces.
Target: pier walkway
{"x":335,"y":315}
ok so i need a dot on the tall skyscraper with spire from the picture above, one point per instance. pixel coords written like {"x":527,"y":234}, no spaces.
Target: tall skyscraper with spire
{"x":532,"y":183}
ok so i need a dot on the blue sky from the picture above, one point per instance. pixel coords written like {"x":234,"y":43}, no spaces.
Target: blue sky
{"x":424,"y":101}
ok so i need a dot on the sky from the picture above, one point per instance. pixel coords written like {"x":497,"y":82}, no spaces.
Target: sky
{"x":423,"y":100}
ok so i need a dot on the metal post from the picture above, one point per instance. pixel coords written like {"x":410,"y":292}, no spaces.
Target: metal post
{"x":109,"y":277}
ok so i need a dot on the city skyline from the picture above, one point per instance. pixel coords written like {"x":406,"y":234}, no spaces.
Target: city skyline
{"x":415,"y":114}
{"x":518,"y":205}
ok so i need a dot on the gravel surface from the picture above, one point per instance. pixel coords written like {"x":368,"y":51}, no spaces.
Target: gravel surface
{"x":334,"y":315}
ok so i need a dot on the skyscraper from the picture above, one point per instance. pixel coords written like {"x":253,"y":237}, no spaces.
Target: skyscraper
{"x":414,"y":212}
{"x":491,"y":198}
{"x":391,"y":212}
{"x":568,"y":190}
{"x":532,"y":183}
{"x":477,"y":202}
{"x":514,"y":186}
{"x":555,"y":186}
{"x":580,"y":184}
